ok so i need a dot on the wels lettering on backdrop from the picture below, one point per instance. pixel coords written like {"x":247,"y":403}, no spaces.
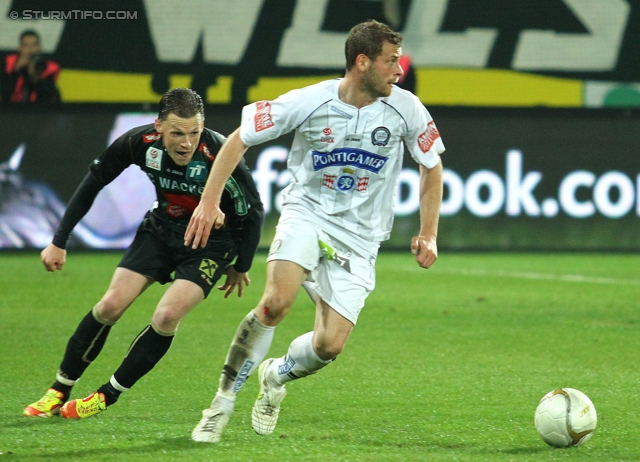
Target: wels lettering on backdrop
{"x":557,"y":53}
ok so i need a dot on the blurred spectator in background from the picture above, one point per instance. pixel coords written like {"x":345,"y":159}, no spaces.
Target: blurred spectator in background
{"x":27,"y":76}
{"x":392,"y":12}
{"x":408,"y":79}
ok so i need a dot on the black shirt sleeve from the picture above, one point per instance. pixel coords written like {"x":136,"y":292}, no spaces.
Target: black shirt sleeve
{"x":77,"y":208}
{"x":102,"y":171}
{"x":249,"y":240}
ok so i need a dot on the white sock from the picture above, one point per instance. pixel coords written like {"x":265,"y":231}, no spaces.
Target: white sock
{"x":223,"y":403}
{"x":250,"y":345}
{"x":300,"y":361}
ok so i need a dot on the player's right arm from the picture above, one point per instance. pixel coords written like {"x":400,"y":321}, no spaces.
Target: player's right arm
{"x":54,"y":255}
{"x":208,"y":214}
{"x":102,"y":171}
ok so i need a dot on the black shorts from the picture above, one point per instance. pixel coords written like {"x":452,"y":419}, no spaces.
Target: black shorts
{"x":157,"y":251}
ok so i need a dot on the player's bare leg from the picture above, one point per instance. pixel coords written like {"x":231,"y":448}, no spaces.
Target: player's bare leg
{"x":307,"y":354}
{"x":250,"y":345}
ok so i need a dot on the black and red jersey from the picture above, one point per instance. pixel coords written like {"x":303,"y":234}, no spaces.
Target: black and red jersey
{"x":178,"y":188}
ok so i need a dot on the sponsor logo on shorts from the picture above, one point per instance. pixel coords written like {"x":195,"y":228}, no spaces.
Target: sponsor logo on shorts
{"x":344,"y":262}
{"x":208,"y":269}
{"x":242,"y":375}
{"x":153,"y":158}
{"x":287,"y":366}
{"x":341,"y":257}
{"x":426,"y":139}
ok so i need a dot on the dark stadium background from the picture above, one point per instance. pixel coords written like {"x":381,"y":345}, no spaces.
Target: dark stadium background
{"x":59,"y":142}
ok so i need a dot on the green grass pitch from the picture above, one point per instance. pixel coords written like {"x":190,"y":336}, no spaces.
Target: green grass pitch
{"x":444,"y":365}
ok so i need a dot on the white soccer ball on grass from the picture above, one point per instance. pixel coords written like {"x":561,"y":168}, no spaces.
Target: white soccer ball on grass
{"x":565,"y":417}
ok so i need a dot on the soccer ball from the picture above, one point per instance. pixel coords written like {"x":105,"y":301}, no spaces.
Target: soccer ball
{"x":565,"y":417}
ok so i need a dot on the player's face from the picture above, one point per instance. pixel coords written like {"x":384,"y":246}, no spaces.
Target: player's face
{"x":383,"y":72}
{"x":180,"y":136}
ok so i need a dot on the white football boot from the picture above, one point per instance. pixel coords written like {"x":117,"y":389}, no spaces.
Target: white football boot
{"x":210,"y":427}
{"x":264,"y":415}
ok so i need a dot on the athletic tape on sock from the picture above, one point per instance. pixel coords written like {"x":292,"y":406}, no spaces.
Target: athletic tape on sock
{"x":250,"y":345}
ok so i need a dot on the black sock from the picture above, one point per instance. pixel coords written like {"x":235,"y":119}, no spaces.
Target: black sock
{"x":83,"y":347}
{"x":146,"y":350}
{"x":111,"y":395}
{"x":66,"y":389}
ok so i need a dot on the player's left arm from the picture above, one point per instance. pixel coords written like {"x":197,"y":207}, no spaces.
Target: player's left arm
{"x":424,"y":245}
{"x":248,"y":240}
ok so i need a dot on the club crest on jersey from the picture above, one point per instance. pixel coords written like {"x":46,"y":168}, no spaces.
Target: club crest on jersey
{"x":153,"y":158}
{"x":346,"y":182}
{"x":380,"y":136}
{"x":352,"y":157}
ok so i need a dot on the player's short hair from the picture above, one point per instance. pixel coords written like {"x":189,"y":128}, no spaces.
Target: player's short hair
{"x":183,"y":102}
{"x":29,"y":33}
{"x":368,"y":38}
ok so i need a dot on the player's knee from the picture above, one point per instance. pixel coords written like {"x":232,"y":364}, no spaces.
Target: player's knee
{"x":111,"y":307}
{"x":166,"y":320}
{"x":328,"y":350}
{"x":276,"y":305}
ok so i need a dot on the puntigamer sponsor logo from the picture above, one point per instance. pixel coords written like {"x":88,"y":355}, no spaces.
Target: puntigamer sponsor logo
{"x":348,"y":156}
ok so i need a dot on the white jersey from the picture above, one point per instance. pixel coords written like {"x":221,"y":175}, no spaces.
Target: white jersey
{"x":344,"y":161}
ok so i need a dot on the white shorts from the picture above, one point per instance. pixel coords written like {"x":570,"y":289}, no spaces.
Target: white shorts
{"x":339,"y":275}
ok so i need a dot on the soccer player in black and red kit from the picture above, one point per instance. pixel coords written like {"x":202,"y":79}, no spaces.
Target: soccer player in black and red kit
{"x":176,"y":153}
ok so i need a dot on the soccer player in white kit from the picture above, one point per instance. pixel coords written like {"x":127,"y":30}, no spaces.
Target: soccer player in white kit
{"x":345,"y":160}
